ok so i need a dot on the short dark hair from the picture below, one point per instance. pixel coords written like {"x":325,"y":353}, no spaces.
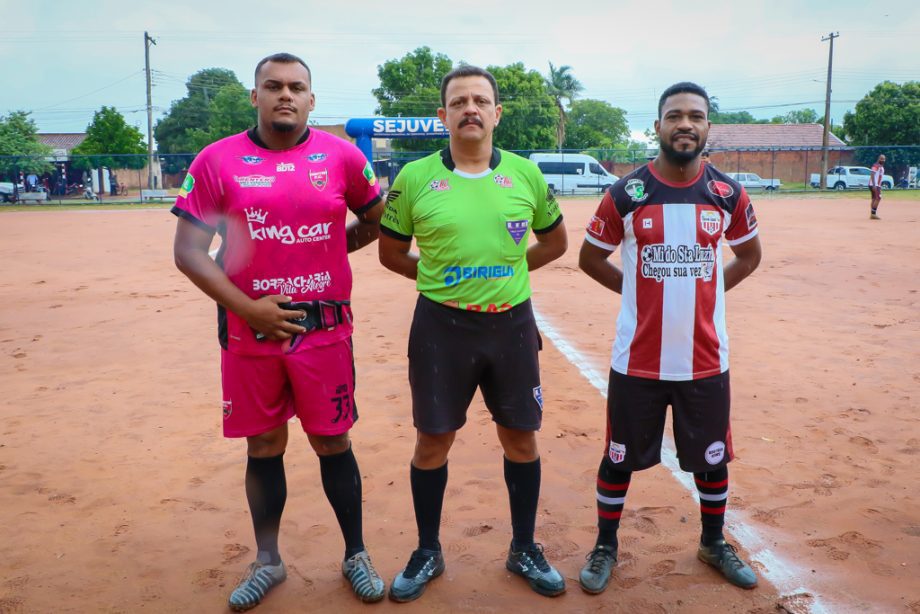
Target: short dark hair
{"x":684,"y":87}
{"x":281,"y":58}
{"x":467,"y":70}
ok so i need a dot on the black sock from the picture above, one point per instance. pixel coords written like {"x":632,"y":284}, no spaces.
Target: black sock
{"x":713,"y":490}
{"x":342,"y":483}
{"x":428,"y":496}
{"x":611,"y":496}
{"x":266,"y":490}
{"x":523,"y":481}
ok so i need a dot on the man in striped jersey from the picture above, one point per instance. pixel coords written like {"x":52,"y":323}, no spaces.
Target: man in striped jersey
{"x":875,"y":186}
{"x":670,"y":217}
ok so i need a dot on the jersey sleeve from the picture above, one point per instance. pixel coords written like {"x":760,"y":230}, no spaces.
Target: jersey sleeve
{"x":196,"y":201}
{"x":363,"y":190}
{"x":547,"y":214}
{"x":743,"y":225}
{"x":605,"y":229}
{"x":397,"y":216}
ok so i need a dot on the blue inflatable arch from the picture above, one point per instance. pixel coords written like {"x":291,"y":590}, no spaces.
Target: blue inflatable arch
{"x":364,"y":130}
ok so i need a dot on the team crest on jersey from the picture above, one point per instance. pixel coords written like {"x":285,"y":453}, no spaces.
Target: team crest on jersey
{"x":710,"y":221}
{"x":252,"y":160}
{"x":720,"y":188}
{"x":538,"y":396}
{"x":227,"y":407}
{"x":596,"y":226}
{"x":617,"y":452}
{"x":517,"y":229}
{"x":439,"y":185}
{"x":751,"y":218}
{"x":503,"y":181}
{"x":317,"y":157}
{"x":635,"y":189}
{"x":319,"y":179}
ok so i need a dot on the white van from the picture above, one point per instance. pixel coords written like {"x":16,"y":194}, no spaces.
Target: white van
{"x":573,"y":173}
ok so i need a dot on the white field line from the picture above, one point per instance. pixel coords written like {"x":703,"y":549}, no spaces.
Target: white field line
{"x":781,"y":572}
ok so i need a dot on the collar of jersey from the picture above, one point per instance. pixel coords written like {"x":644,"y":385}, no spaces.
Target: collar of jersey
{"x":448,"y":162}
{"x":253,"y":135}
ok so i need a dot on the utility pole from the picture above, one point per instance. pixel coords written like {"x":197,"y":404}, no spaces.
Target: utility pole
{"x":827,"y":107}
{"x":147,"y":42}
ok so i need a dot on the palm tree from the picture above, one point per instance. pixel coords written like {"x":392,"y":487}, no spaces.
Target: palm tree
{"x":561,"y":85}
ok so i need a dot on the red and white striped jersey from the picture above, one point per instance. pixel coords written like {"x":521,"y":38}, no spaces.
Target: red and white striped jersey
{"x":875,"y":179}
{"x":671,"y":324}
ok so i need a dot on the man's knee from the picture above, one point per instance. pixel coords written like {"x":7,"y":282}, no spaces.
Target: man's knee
{"x":519,"y":446}
{"x":431,"y":450}
{"x":327,"y":445}
{"x":266,"y":445}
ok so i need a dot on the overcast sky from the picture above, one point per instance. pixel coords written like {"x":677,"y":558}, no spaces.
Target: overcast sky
{"x":63,"y":60}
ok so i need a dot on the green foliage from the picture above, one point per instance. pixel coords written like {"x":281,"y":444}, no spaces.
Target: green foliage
{"x":109,"y":134}
{"x":411,"y":87}
{"x":181,"y":130}
{"x":595,"y":123}
{"x":888,"y":115}
{"x":798,"y":116}
{"x":734,"y":117}
{"x":529,"y":114}
{"x":19,"y":139}
{"x":561,"y":84}
{"x":230,"y":112}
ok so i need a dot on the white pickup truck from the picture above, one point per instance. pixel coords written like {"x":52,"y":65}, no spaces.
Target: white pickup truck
{"x":843,"y":177}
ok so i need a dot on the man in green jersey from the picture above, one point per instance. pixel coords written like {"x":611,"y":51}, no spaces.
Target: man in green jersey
{"x":471,"y":208}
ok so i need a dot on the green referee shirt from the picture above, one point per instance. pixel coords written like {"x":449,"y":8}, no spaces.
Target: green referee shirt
{"x":471,"y":230}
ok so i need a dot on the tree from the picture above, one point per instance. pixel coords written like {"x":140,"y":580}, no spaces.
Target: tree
{"x":888,"y":115}
{"x":529,"y":114}
{"x":230,"y":112}
{"x":595,"y":123}
{"x":20,"y":149}
{"x":562,"y":85}
{"x":734,"y":117}
{"x":110,"y":142}
{"x":798,"y":116}
{"x":174,"y":132}
{"x":411,"y":87}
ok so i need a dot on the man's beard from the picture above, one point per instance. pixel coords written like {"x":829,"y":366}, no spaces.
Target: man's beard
{"x":682,"y":157}
{"x":283,"y":127}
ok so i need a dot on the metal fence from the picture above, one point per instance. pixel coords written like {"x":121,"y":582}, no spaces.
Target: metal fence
{"x":125,"y":177}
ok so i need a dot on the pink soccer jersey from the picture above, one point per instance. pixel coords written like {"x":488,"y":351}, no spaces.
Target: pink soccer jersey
{"x":671,"y":324}
{"x":281,"y":216}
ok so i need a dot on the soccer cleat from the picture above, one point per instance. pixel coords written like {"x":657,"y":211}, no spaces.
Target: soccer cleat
{"x":257,"y":581}
{"x":724,"y":557}
{"x":595,"y":575}
{"x":874,"y":216}
{"x":366,"y":582}
{"x":531,"y":565}
{"x":424,"y":565}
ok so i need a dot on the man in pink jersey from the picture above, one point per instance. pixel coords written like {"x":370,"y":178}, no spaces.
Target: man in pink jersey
{"x":278,"y":195}
{"x":670,"y":218}
{"x":875,"y":186}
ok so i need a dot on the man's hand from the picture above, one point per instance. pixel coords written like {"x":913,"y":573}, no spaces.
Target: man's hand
{"x":266,"y":317}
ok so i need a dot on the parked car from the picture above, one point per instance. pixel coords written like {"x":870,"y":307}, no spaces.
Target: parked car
{"x":573,"y":173}
{"x":752,"y":181}
{"x":843,"y":177}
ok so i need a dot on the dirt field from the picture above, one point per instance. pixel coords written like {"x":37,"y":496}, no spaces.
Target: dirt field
{"x":118,"y":494}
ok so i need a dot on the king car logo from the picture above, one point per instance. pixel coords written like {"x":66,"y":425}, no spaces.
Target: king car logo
{"x":720,"y":188}
{"x":319,"y":179}
{"x":710,"y":221}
